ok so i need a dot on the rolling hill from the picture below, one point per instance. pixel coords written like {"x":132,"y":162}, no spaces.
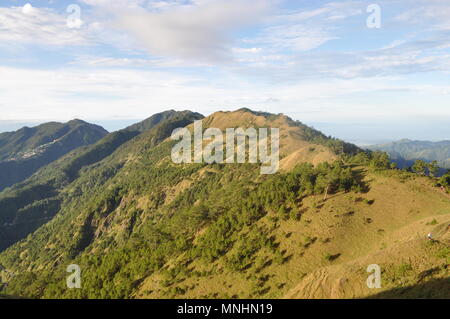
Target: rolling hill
{"x":141,"y":226}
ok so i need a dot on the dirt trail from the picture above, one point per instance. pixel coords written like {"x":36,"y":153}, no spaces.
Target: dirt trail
{"x":333,"y":282}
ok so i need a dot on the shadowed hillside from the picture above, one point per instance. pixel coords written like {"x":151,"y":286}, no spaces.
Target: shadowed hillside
{"x":435,"y":289}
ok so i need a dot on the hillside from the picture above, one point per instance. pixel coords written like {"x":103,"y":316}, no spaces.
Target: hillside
{"x":25,"y":151}
{"x":141,"y":226}
{"x":405,"y":152}
{"x":28,"y":205}
{"x":321,"y":249}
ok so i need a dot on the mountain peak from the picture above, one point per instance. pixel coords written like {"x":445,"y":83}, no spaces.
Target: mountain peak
{"x":298,"y":142}
{"x":26,"y":150}
{"x":257,"y":113}
{"x":153,"y":120}
{"x":76,"y":122}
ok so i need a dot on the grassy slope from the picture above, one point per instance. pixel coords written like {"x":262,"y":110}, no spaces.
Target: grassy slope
{"x":401,"y":217}
{"x":390,"y":232}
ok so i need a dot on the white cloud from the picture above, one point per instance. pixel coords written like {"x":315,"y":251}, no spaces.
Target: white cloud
{"x":111,"y":62}
{"x":304,"y":30}
{"x":402,"y":58}
{"x":247,"y":50}
{"x":434,"y":15}
{"x":105,"y":61}
{"x":118,"y":93}
{"x":69,"y":93}
{"x":27,"y":9}
{"x":27,"y":24}
{"x":271,"y":66}
{"x":296,"y":38}
{"x":115,"y":3}
{"x":199,"y":32}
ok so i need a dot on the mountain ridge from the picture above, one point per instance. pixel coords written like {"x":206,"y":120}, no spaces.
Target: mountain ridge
{"x":141,"y":226}
{"x":25,"y":151}
{"x":39,"y":197}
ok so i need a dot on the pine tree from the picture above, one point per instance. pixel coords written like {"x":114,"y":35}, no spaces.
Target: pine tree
{"x":419,"y":167}
{"x":433,"y":168}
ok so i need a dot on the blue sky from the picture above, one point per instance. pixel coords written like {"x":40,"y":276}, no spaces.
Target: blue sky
{"x":113,"y":62}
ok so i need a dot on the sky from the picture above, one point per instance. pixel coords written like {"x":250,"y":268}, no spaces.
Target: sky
{"x":365,"y":71}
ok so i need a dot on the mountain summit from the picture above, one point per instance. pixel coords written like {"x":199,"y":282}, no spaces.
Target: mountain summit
{"x":24,"y":151}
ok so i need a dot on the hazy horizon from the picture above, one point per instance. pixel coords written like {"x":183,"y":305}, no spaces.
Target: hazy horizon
{"x":361,"y":134}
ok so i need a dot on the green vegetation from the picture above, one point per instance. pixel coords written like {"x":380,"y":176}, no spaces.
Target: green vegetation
{"x":163,"y":228}
{"x":139,"y":225}
{"x":31,"y":198}
{"x":444,"y":181}
{"x":419,"y":167}
{"x":150,"y":245}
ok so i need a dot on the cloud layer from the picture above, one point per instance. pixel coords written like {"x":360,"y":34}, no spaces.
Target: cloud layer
{"x":201,"y":32}
{"x":313,"y":60}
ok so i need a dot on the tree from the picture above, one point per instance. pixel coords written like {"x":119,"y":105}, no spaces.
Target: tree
{"x":282,"y":211}
{"x":380,"y":160}
{"x":361,"y":158}
{"x":433,"y":168}
{"x":445,"y":180}
{"x":419,"y":167}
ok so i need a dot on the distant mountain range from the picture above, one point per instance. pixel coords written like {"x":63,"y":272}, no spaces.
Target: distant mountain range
{"x":29,"y":204}
{"x":24,"y":151}
{"x":406,"y":151}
